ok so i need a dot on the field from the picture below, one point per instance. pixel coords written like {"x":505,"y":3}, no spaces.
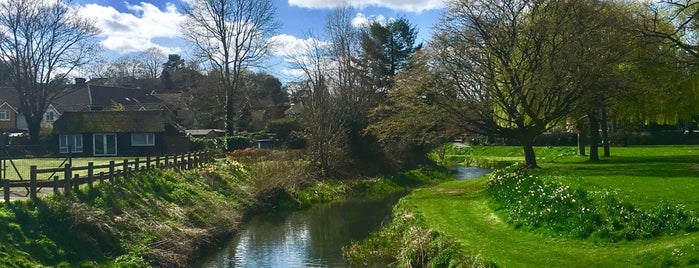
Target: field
{"x":23,"y":165}
{"x":643,"y":176}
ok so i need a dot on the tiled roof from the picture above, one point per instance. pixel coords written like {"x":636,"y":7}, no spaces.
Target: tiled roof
{"x":106,"y":97}
{"x":9,"y":95}
{"x":110,"y":121}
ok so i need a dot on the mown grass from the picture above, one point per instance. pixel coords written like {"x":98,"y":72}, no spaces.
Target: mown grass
{"x":22,"y":165}
{"x":644,"y":177}
{"x":462,"y":211}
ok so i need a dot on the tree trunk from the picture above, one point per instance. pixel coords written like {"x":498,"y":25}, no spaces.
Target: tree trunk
{"x":594,"y":136}
{"x":529,"y":155}
{"x":34,"y":128}
{"x":582,"y":140}
{"x":605,"y":132}
{"x":230,"y":125}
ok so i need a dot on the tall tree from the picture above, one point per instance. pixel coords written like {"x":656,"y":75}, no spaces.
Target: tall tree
{"x":508,"y":66}
{"x":152,"y":62}
{"x":386,"y":48}
{"x":232,"y":35}
{"x":316,"y":105}
{"x":42,"y":41}
{"x":409,"y":125}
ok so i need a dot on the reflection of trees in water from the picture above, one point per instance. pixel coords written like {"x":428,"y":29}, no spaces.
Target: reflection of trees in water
{"x":312,"y":237}
{"x":341,"y":223}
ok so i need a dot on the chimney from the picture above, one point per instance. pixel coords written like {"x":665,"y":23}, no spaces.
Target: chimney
{"x":79,"y":82}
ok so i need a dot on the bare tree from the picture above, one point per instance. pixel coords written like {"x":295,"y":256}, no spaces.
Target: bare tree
{"x":42,"y":41}
{"x":152,"y":62}
{"x":344,"y":49}
{"x":233,"y":35}
{"x":319,"y":114}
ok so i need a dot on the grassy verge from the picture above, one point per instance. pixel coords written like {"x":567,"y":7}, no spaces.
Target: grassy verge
{"x":164,"y":218}
{"x":639,"y":180}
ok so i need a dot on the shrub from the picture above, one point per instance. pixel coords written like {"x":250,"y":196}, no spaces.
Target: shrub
{"x":406,"y":242}
{"x":530,"y":202}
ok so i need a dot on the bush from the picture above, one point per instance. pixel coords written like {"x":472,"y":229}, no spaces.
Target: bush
{"x":406,"y":242}
{"x":530,"y":202}
{"x":218,"y":145}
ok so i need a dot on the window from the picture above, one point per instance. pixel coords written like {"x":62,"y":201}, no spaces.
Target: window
{"x":72,"y":143}
{"x":142,"y":139}
{"x":4,"y":115}
{"x":50,"y":116}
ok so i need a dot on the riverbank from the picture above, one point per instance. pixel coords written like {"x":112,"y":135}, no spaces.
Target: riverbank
{"x":649,"y":185}
{"x":165,"y":218}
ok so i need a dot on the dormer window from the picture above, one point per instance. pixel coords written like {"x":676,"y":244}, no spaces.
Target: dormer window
{"x":4,"y":115}
{"x":50,"y":116}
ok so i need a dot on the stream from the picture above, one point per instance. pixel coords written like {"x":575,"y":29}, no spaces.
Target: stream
{"x":309,"y":238}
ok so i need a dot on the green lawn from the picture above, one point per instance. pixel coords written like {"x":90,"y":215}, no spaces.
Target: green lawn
{"x":642,"y":175}
{"x":23,"y":165}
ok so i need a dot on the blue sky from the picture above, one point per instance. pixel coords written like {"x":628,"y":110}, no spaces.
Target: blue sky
{"x":134,"y":26}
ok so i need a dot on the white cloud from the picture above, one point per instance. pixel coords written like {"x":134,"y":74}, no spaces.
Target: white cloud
{"x":360,"y":20}
{"x":139,"y":29}
{"x":416,"y":6}
{"x":289,"y":46}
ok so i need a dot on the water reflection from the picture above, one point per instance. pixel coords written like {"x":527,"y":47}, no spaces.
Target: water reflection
{"x":309,"y":238}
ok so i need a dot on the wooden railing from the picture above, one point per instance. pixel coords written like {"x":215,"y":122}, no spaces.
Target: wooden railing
{"x":111,"y":172}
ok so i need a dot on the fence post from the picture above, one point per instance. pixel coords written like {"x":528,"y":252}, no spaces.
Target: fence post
{"x":76,"y":182}
{"x":183,"y":160}
{"x":148,"y":163}
{"x":101,"y":177}
{"x":190,"y":161}
{"x":55,"y":184}
{"x":90,"y":173}
{"x":165,"y":163}
{"x":111,"y":171}
{"x":157,"y":161}
{"x":137,"y":164}
{"x":67,"y":176}
{"x":32,"y":182}
{"x":126,"y":169}
{"x":6,"y":189}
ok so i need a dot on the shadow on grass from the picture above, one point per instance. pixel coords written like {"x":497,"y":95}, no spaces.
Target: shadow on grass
{"x":640,"y":166}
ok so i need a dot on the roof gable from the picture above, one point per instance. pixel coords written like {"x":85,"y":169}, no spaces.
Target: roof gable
{"x":4,"y":103}
{"x":110,"y":121}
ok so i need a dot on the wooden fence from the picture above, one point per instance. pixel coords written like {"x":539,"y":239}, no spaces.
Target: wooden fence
{"x":116,"y":170}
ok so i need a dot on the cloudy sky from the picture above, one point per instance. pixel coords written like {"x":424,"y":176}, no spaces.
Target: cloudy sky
{"x":131,"y":26}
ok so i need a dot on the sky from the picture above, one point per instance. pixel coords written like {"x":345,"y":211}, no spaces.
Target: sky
{"x":132,"y":26}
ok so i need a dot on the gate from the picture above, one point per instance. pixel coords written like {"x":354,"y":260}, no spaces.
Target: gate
{"x":16,"y":160}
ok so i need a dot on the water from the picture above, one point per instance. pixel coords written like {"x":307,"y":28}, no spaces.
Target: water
{"x":464,"y":173}
{"x":309,"y":238}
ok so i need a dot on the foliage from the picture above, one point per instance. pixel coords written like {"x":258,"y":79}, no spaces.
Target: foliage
{"x":408,"y":126}
{"x":219,"y":144}
{"x":531,"y":202}
{"x":408,"y":242}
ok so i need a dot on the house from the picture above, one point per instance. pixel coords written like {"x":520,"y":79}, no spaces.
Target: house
{"x":8,"y":116}
{"x":118,"y":133}
{"x":206,"y":133}
{"x":88,"y":97}
{"x":9,"y":100}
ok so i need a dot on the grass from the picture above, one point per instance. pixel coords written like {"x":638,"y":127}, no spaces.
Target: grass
{"x":23,"y":165}
{"x":461,"y":210}
{"x":644,"y":176}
